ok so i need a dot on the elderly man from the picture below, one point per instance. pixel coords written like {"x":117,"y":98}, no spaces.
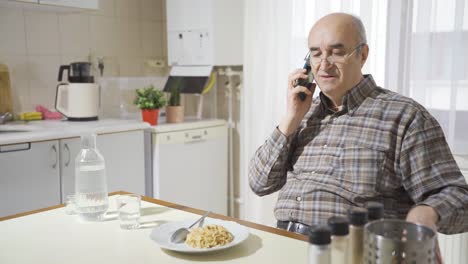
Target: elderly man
{"x":356,"y":143}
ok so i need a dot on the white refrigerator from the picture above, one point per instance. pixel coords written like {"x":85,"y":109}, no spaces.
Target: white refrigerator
{"x":190,"y":164}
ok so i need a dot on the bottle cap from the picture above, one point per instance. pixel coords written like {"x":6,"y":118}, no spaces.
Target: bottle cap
{"x":339,"y":225}
{"x":357,"y":216}
{"x":375,"y":210}
{"x":320,"y":235}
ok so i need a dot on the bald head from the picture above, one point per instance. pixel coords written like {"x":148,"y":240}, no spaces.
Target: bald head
{"x":338,"y":51}
{"x":344,"y":22}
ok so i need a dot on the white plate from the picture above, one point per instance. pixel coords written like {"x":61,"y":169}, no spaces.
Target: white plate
{"x":161,"y":235}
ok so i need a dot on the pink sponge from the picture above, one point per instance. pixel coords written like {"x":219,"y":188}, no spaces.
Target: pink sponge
{"x":47,"y":114}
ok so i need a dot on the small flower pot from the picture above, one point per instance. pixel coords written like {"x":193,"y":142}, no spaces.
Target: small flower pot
{"x":174,"y":114}
{"x":150,"y":116}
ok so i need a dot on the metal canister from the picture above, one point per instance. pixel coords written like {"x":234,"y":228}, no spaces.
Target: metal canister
{"x":391,"y":241}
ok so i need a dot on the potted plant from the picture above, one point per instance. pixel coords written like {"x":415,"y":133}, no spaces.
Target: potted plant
{"x":150,"y":100}
{"x":174,"y":110}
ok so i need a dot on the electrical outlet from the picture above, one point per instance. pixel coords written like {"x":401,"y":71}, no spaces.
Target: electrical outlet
{"x":156,"y":63}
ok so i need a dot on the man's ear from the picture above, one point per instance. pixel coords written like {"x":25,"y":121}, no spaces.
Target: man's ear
{"x":364,"y":54}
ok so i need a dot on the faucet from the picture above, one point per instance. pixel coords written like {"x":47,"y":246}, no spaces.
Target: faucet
{"x":5,"y":117}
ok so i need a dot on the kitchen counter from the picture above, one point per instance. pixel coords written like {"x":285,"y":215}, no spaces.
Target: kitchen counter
{"x":52,"y":236}
{"x":32,"y":131}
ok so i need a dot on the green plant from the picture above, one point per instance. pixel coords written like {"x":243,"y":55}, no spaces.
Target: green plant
{"x":174,"y":99}
{"x":149,"y":98}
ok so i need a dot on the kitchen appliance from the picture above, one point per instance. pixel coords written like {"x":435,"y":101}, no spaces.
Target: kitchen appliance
{"x":78,"y":100}
{"x":190,"y":164}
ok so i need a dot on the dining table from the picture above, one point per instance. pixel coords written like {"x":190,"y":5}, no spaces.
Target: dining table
{"x":50,"y":235}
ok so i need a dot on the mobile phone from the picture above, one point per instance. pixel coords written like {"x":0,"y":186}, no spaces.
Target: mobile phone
{"x":305,"y":82}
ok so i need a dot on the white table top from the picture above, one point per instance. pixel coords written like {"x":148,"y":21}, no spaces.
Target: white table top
{"x":55,"y":237}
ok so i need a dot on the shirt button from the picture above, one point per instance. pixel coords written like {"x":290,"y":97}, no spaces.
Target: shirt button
{"x":281,"y":145}
{"x":298,"y":198}
{"x":313,"y":172}
{"x":324,"y":146}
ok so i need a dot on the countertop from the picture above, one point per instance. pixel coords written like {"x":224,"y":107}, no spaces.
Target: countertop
{"x":54,"y":237}
{"x":32,"y":131}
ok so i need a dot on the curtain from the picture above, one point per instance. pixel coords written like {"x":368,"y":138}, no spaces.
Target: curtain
{"x":267,"y":38}
{"x":436,"y":65}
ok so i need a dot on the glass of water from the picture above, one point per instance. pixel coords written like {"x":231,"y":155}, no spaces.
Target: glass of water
{"x":70,"y":204}
{"x":128,"y":207}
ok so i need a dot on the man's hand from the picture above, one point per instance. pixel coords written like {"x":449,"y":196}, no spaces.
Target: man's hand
{"x":427,"y":216}
{"x":296,"y":108}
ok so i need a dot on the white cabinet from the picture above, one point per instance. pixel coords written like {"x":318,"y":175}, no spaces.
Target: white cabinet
{"x":29,"y":176}
{"x":85,"y":4}
{"x":190,"y":164}
{"x":41,"y":174}
{"x":124,"y":155}
{"x":52,"y":5}
{"x":69,"y":149}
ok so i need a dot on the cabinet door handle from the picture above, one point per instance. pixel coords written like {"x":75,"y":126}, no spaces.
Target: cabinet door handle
{"x":68,"y":155}
{"x":54,"y":148}
{"x":195,"y":139}
{"x":15,"y":147}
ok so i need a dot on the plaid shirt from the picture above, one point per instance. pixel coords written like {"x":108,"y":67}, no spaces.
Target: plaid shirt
{"x":380,"y":146}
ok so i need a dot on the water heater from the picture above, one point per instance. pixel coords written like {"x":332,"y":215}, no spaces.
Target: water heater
{"x":204,"y":32}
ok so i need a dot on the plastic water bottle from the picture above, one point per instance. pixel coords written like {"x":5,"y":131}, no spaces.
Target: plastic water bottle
{"x":90,"y":181}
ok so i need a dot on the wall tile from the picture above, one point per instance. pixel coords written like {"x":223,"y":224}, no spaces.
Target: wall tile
{"x":74,"y":33}
{"x":129,"y":37}
{"x":43,"y":79}
{"x":106,"y":8}
{"x":103,"y":35}
{"x":164,"y":38}
{"x":163,"y":7}
{"x":42,"y":34}
{"x":111,"y":67}
{"x":35,"y":43}
{"x":130,"y":66}
{"x":152,"y":10}
{"x":12,"y":32}
{"x":153,"y":71}
{"x":128,"y":9}
{"x":19,"y":74}
{"x":67,"y":59}
{"x":152,"y":38}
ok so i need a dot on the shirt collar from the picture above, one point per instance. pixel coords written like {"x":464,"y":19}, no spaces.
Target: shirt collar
{"x":354,"y":97}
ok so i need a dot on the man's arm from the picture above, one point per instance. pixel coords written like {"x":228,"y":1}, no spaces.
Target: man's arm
{"x":268,"y":167}
{"x":432,"y":178}
{"x":427,"y":216}
{"x":424,"y":215}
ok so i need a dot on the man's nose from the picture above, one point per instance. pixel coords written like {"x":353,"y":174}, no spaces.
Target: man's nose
{"x":325,"y":64}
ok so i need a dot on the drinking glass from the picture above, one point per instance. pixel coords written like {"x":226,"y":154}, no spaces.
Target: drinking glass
{"x":70,"y":205}
{"x":128,"y":208}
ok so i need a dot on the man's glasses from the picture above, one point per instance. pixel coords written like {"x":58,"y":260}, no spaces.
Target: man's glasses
{"x":334,"y":58}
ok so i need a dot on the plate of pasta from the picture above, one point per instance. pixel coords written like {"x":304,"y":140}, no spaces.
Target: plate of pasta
{"x":215,"y":235}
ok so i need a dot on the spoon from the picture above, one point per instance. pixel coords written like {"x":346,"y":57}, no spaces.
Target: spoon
{"x":180,"y":234}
